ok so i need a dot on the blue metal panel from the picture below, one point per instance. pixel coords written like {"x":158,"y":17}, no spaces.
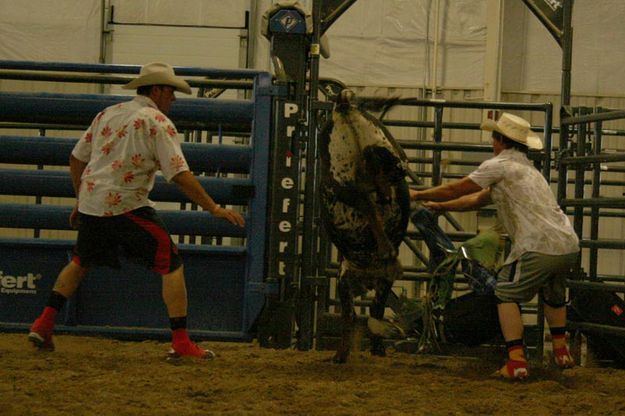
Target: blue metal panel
{"x":39,"y":263}
{"x":129,"y":297}
{"x":257,"y":218}
{"x":132,"y":296}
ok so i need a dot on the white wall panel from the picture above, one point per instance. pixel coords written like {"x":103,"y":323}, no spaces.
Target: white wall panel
{"x":533,"y":60}
{"x":43,"y":30}
{"x":200,"y":47}
{"x":214,"y":48}
{"x":182,"y":12}
{"x":391,"y":42}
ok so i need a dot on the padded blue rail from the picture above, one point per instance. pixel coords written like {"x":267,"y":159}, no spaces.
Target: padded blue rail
{"x":224,"y":282}
{"x":55,"y":151}
{"x":80,"y":109}
{"x":234,"y":191}
{"x":53,"y":217}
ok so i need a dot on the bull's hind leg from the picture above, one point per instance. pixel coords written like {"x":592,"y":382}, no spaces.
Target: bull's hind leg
{"x":385,"y":248}
{"x":348,"y":320}
{"x":377,"y":312}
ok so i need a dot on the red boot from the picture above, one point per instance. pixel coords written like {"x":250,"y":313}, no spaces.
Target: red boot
{"x":563,"y":358}
{"x":189,"y":349}
{"x":514,"y":370}
{"x":182,"y":346}
{"x":41,"y":335}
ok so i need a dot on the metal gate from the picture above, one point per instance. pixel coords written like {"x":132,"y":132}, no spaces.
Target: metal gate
{"x":227,"y":145}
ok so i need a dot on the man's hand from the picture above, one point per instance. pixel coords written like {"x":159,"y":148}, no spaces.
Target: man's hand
{"x":73,"y":218}
{"x":194,"y":191}
{"x":229,"y":215}
{"x":414,"y":195}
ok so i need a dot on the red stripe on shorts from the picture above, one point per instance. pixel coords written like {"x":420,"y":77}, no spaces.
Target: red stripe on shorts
{"x":162,"y":258}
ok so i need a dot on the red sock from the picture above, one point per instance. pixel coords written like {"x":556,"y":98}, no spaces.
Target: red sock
{"x":48,"y":315}
{"x":558,"y":341}
{"x":516,"y":353}
{"x":179,"y":336}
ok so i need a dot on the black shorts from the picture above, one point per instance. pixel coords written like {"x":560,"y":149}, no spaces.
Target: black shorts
{"x":139,"y":234}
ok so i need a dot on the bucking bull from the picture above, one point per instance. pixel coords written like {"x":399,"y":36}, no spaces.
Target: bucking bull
{"x":365,"y":208}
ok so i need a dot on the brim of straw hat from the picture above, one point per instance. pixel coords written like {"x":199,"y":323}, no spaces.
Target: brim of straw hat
{"x":159,"y":78}
{"x":532,"y":140}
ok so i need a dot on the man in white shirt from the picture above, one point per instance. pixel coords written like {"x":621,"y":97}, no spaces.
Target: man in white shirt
{"x":544,"y":245}
{"x":113,"y":168}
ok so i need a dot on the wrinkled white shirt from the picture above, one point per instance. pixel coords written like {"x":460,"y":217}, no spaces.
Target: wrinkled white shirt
{"x":526,"y":206}
{"x":124,"y":147}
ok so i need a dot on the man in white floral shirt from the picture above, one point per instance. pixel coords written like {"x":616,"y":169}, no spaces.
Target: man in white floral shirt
{"x":544,"y":245}
{"x":113,"y":168}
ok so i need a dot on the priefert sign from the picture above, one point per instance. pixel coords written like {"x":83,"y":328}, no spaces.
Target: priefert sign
{"x":19,"y":285}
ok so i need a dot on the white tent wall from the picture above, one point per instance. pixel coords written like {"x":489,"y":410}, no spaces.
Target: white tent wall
{"x":50,"y":30}
{"x":375,"y":43}
{"x":532,"y":59}
{"x":391,"y":42}
{"x":39,"y":30}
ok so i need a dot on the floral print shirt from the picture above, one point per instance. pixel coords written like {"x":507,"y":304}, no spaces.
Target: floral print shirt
{"x":124,"y":147}
{"x":526,"y":206}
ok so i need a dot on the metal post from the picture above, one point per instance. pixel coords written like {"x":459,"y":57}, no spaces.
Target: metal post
{"x":567,"y":51}
{"x":580,"y":171}
{"x":594,"y":211}
{"x":547,"y":132}
{"x":565,"y":93}
{"x":310,"y":230}
{"x":437,"y":174}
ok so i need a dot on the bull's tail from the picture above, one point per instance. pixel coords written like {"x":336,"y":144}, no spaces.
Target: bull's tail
{"x":347,"y":99}
{"x":376,"y":104}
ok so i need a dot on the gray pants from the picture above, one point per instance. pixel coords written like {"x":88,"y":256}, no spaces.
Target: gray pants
{"x":520,"y":281}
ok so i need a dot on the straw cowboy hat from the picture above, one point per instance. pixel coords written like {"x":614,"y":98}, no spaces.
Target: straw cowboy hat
{"x":515,"y":128}
{"x":157,"y":73}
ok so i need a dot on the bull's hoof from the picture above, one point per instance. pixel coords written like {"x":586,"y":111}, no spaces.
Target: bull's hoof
{"x":340,"y":357}
{"x":378,"y":351}
{"x":377,"y":347}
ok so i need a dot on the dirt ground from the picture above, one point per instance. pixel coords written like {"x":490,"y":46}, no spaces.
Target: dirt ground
{"x":98,"y":376}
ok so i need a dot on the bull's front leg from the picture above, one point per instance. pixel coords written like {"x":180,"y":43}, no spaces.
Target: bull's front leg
{"x":348,"y":320}
{"x":377,"y":311}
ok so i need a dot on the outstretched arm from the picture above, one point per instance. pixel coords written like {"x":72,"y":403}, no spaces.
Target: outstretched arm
{"x":447,"y":192}
{"x":464,"y":203}
{"x":189,"y":184}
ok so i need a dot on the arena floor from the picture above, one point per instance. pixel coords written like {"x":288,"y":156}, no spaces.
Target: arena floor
{"x":94,"y":376}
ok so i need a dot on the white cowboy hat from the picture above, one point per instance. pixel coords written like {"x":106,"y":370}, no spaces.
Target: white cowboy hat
{"x":157,"y":73}
{"x":515,"y":128}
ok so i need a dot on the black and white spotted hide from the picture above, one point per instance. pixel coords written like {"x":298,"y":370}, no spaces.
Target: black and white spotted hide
{"x":365,"y":209}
